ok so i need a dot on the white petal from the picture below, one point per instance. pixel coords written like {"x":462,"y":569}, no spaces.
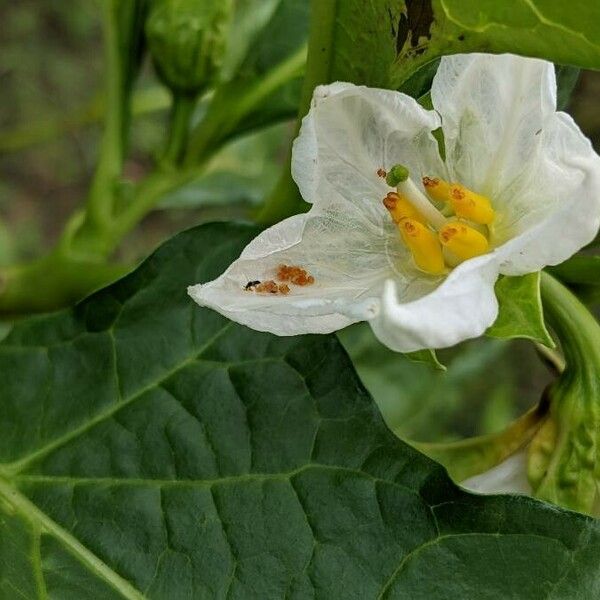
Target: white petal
{"x":348,"y":262}
{"x":491,"y":108}
{"x":462,"y":307}
{"x":557,"y":210}
{"x":350,"y":133}
{"x":508,"y":477}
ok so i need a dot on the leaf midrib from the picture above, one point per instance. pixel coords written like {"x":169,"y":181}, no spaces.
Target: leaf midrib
{"x":46,"y":525}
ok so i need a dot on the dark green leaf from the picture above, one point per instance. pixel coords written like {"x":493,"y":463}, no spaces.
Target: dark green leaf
{"x":151,"y":449}
{"x":560,"y":32}
{"x":520,"y":313}
{"x":566,"y":80}
{"x":384,"y":43}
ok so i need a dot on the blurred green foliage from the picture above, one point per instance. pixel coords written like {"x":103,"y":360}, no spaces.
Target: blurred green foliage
{"x":487,"y":384}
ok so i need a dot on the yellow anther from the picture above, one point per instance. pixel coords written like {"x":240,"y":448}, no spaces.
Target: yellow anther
{"x":462,"y":240}
{"x":401,"y":208}
{"x":469,"y":205}
{"x":438,"y":189}
{"x":423,"y":245}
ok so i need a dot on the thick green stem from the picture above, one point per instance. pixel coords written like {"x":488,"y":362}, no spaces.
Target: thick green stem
{"x":147,"y":195}
{"x":577,"y":330}
{"x":563,"y":457}
{"x":52,"y":282}
{"x":110,"y":161}
{"x":181,"y":114}
{"x":285,"y":199}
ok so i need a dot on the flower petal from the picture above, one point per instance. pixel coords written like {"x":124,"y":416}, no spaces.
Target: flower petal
{"x":352,"y":131}
{"x":462,"y":307}
{"x":508,"y":477}
{"x":558,"y":211}
{"x":491,"y":108}
{"x":349,"y":265}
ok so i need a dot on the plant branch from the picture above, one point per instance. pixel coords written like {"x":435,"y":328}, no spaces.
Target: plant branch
{"x":235,"y":101}
{"x":51,"y":283}
{"x":563,"y":464}
{"x":110,"y":161}
{"x":181,"y":113}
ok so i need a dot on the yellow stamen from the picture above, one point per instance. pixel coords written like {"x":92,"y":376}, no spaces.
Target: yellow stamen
{"x":469,"y":205}
{"x":438,"y":189}
{"x":462,"y":240}
{"x":423,"y":245}
{"x":401,"y":208}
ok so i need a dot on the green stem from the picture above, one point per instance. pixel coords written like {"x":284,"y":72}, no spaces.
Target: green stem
{"x":181,"y":114}
{"x":110,"y":162}
{"x":577,"y":330}
{"x":472,"y":456}
{"x":64,"y":276}
{"x":563,"y":457}
{"x":52,"y":282}
{"x":285,"y":199}
{"x":147,"y":195}
{"x":234,"y":102}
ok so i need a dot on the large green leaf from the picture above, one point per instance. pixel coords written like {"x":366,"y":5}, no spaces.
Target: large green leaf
{"x":151,"y":449}
{"x":383,"y":43}
{"x":566,"y":33}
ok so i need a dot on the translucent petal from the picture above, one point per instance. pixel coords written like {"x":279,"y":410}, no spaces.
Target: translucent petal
{"x":557,"y":211}
{"x":349,"y":265}
{"x":350,"y":133}
{"x":492,"y":109}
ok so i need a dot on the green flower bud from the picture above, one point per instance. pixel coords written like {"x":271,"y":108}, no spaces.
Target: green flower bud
{"x":187,"y":40}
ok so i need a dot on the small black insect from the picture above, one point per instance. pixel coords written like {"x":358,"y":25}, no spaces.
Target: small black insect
{"x":251,"y":284}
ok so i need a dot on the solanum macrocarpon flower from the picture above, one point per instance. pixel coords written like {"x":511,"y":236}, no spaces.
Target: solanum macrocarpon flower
{"x":407,"y":235}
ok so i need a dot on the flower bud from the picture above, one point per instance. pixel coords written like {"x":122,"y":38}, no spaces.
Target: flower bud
{"x":187,"y":41}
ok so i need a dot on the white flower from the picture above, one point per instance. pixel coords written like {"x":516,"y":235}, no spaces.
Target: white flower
{"x":533,"y":175}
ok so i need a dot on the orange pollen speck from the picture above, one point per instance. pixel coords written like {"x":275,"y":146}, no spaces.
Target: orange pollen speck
{"x":295,"y":275}
{"x":431,"y":181}
{"x":457,"y":194}
{"x":409,"y":228}
{"x":448,"y":233}
{"x":381,"y":172}
{"x":391,"y":200}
